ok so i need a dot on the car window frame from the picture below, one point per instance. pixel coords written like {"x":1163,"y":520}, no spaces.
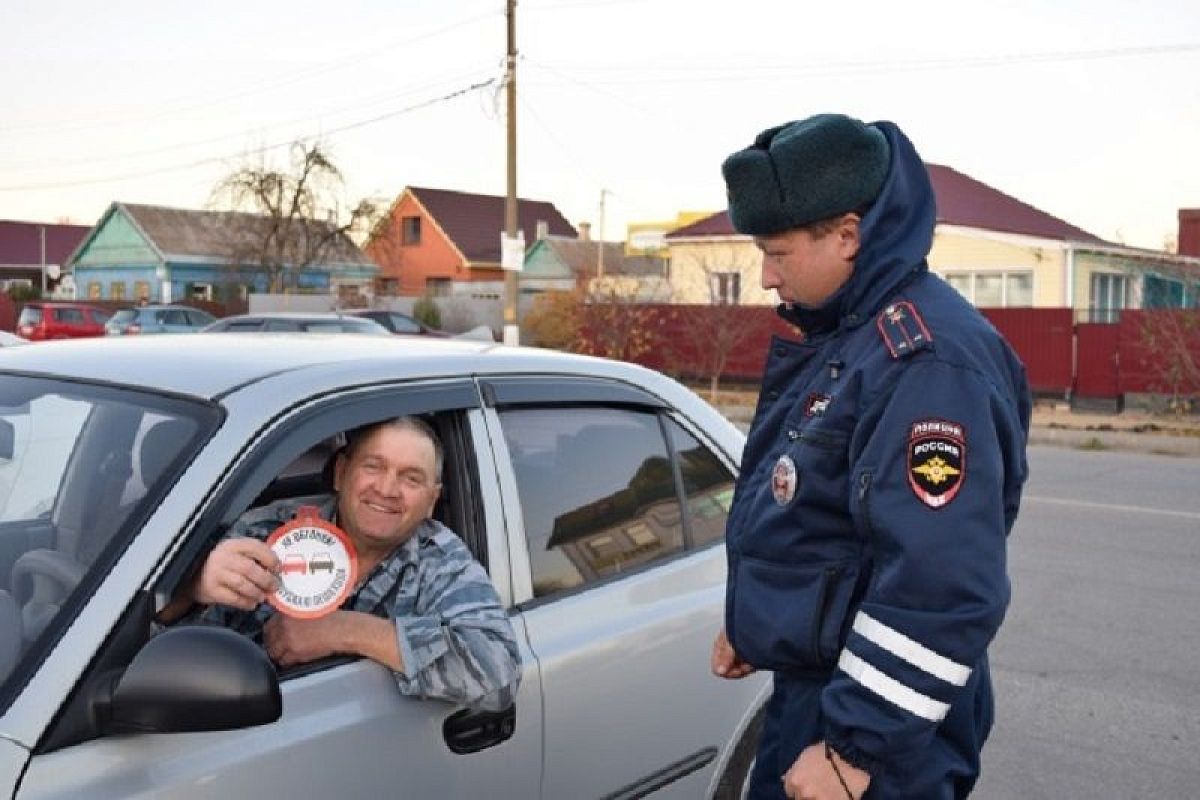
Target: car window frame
{"x":500,"y":392}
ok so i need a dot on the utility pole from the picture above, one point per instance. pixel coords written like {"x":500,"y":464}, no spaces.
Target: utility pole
{"x":512,"y":332}
{"x":600,"y":245}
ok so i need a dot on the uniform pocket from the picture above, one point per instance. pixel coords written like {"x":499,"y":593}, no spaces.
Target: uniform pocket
{"x":790,"y":618}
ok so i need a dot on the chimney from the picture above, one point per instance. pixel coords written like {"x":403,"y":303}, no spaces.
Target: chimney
{"x":543,"y":229}
{"x":1189,"y":232}
{"x":585,"y":231}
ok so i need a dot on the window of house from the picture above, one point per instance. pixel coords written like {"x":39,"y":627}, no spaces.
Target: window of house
{"x":116,"y":290}
{"x":597,"y":491}
{"x":989,"y":290}
{"x":141,"y":291}
{"x":200,"y":291}
{"x":438,"y":287}
{"x":410,"y":230}
{"x":1163,"y":293}
{"x":726,"y":288}
{"x":94,"y":290}
{"x":994,"y":288}
{"x":1109,"y":294}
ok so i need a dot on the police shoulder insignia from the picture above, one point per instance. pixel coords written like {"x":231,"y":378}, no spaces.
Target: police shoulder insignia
{"x":937,"y":461}
{"x":902,"y":329}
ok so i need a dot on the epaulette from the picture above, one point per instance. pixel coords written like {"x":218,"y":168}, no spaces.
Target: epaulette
{"x":903,"y":330}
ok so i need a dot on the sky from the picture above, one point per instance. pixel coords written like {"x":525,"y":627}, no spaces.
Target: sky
{"x":1089,"y":111}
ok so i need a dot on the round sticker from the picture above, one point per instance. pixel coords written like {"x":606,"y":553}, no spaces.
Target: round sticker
{"x":783,"y":480}
{"x":319,"y":565}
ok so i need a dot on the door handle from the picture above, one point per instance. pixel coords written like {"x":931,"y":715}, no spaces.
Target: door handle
{"x":470,"y":731}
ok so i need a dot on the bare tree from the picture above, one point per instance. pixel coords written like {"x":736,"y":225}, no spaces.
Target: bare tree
{"x":1170,"y":339}
{"x":714,"y":280}
{"x":297,"y":216}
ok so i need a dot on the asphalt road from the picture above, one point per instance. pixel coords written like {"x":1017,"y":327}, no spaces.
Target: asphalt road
{"x":1097,"y":667}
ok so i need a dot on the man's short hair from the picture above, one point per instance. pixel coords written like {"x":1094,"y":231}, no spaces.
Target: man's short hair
{"x":358,"y":435}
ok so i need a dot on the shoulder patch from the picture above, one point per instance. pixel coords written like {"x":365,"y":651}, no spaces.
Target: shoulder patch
{"x":903,"y":330}
{"x":937,"y":461}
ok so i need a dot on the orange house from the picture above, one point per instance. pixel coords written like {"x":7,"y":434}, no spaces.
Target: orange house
{"x":432,"y":239}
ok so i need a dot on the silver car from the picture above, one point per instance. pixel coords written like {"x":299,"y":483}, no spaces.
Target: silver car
{"x":595,"y":492}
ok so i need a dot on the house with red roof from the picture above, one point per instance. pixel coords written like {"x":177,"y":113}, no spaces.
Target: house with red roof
{"x":997,"y":250}
{"x":442,"y":242}
{"x":31,"y":250}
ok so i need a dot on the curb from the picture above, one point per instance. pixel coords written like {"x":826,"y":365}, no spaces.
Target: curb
{"x":1054,"y":435}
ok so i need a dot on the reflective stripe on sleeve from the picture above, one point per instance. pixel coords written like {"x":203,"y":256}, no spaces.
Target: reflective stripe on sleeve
{"x":911,"y":651}
{"x":892,"y":690}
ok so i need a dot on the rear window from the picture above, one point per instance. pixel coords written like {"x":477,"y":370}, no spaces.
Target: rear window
{"x":30,"y":315}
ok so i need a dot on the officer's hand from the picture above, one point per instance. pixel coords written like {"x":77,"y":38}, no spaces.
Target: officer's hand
{"x":240,"y":573}
{"x":725,"y":662}
{"x":813,"y":777}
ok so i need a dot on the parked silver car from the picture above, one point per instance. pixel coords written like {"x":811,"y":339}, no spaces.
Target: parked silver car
{"x":156,"y":318}
{"x":295,"y":321}
{"x":595,"y":493}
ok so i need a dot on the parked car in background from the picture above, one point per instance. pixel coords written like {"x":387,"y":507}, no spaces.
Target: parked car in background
{"x":295,"y":322}
{"x":41,"y":321}
{"x":397,"y":322}
{"x":593,"y":492}
{"x":157,"y":319}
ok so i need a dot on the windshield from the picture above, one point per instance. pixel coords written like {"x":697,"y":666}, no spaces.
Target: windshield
{"x":124,"y":316}
{"x":30,"y":315}
{"x":81,"y":467}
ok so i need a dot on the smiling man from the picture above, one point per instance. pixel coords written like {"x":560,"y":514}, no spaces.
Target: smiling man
{"x":423,"y":606}
{"x":881,"y":476}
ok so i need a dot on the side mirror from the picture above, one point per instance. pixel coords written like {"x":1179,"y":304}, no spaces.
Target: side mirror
{"x":195,"y":678}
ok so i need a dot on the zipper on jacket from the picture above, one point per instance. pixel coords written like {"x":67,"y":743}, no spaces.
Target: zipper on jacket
{"x":822,"y":440}
{"x":828,"y":576}
{"x":864,"y":507}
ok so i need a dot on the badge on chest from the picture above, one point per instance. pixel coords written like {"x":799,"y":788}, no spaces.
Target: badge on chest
{"x":783,"y":480}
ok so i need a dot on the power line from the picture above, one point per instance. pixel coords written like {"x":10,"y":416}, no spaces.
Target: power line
{"x":711,"y":73}
{"x":293,"y":78}
{"x":218,"y":159}
{"x":372,"y":100}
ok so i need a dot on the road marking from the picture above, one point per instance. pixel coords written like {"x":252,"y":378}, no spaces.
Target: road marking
{"x":1111,"y":507}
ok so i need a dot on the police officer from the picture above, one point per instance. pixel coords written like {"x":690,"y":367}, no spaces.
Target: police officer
{"x":881,"y":476}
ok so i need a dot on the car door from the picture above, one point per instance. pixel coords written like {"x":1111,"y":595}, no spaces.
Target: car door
{"x":345,"y":730}
{"x":620,"y":576}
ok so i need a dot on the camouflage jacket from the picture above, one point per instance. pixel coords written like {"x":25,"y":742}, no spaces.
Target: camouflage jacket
{"x":455,"y":638}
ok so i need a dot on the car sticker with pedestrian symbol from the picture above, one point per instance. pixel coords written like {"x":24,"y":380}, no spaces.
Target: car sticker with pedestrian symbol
{"x":319,"y":565}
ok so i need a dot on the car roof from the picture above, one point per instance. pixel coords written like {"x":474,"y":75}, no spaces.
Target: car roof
{"x":296,"y":315}
{"x":208,"y":366}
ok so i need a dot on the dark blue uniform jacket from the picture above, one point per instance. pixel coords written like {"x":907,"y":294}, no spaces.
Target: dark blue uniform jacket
{"x":881,"y":476}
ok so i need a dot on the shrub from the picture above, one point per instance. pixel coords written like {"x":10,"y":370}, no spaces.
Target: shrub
{"x":426,"y":310}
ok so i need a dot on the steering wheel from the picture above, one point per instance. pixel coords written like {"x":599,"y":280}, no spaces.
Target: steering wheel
{"x":41,"y":580}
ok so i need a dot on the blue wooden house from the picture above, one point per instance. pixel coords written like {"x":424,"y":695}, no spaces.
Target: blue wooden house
{"x":140,"y":252}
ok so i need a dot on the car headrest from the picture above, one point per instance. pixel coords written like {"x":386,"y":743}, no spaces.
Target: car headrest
{"x":159,"y":444}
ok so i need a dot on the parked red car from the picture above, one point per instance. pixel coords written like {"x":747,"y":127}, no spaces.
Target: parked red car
{"x":41,"y":321}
